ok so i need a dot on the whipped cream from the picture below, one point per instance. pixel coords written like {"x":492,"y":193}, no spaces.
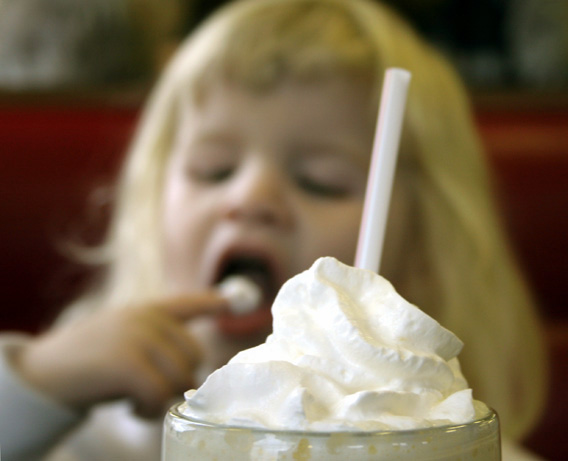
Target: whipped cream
{"x":347,"y":352}
{"x":243,"y":294}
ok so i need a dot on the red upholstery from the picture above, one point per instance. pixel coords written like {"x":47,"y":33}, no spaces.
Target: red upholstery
{"x":54,"y":152}
{"x":528,"y":149}
{"x":53,"y":155}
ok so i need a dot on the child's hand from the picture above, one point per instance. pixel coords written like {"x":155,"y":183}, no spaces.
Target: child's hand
{"x":142,"y":353}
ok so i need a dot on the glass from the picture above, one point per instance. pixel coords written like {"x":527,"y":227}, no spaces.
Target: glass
{"x":189,"y":439}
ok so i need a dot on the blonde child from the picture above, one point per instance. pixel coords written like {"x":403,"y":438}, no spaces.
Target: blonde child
{"x":251,"y":157}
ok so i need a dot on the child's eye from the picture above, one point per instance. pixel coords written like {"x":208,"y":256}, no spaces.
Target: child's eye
{"x":210,"y":174}
{"x":211,"y":160}
{"x":321,"y":188}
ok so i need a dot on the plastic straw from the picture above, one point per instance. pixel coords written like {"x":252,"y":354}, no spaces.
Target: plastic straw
{"x":381,"y":172}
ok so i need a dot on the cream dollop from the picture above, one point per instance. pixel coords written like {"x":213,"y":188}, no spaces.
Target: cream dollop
{"x":347,"y":352}
{"x":243,"y":294}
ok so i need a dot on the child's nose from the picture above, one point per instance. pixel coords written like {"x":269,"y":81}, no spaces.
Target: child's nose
{"x":259,"y":196}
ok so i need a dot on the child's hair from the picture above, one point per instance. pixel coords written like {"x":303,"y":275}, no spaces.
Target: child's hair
{"x":456,"y":264}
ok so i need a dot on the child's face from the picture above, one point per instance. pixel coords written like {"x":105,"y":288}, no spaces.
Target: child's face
{"x":264,"y":184}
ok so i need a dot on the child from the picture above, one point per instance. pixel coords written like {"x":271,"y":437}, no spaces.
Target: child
{"x":251,"y":158}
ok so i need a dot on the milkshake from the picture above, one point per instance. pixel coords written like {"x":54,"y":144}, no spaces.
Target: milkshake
{"x":351,"y":371}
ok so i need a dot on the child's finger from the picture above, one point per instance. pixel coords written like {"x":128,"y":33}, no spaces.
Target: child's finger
{"x":186,"y":307}
{"x":149,"y":389}
{"x":173,"y":331}
{"x":175,"y":364}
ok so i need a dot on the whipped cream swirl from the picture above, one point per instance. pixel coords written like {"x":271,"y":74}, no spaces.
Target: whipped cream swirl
{"x":347,"y":352}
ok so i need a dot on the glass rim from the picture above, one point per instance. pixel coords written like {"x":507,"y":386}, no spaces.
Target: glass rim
{"x":487,"y":419}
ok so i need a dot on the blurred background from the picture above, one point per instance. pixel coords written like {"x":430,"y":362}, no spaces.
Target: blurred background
{"x":73,"y":77}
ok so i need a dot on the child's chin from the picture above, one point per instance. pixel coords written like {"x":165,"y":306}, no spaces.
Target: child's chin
{"x":256,"y":323}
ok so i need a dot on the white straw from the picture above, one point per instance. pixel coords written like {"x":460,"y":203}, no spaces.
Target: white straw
{"x":381,"y":171}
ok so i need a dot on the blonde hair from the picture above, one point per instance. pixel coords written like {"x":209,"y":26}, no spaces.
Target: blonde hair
{"x":457,"y":264}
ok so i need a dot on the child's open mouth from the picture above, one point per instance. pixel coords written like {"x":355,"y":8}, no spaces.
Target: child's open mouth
{"x":259,"y":270}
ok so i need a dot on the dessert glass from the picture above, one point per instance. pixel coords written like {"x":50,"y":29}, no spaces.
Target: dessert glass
{"x":190,"y":439}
